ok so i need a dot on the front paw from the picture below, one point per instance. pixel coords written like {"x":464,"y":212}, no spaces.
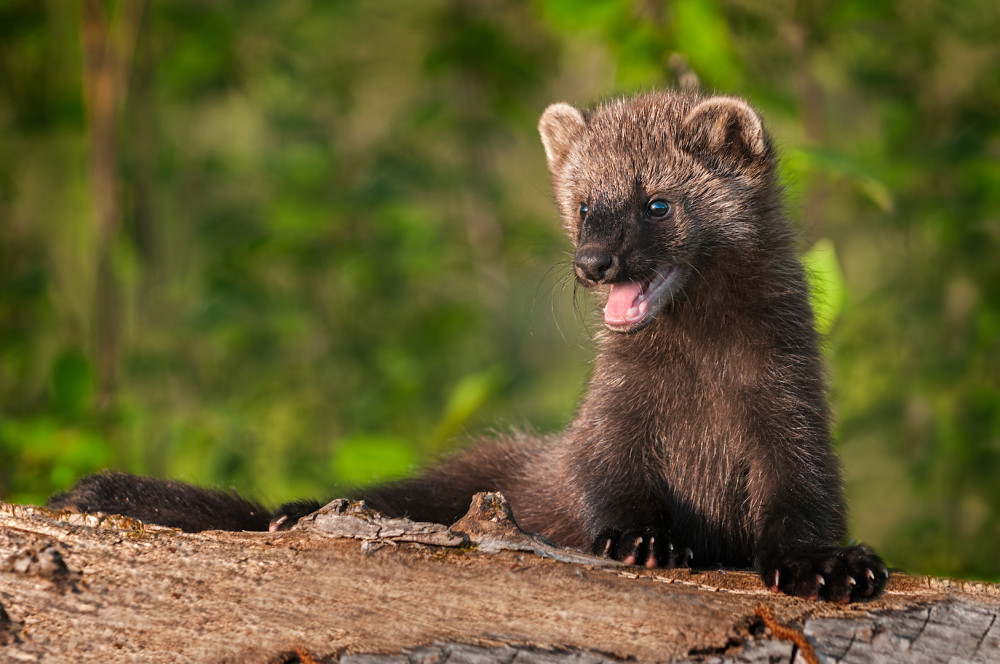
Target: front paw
{"x":648,"y":547}
{"x":835,"y":574}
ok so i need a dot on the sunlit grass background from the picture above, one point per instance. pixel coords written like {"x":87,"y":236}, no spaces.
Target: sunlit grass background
{"x":289,"y":246}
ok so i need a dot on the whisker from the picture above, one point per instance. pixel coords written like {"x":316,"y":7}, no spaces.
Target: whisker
{"x":555,"y":287}
{"x":563,"y":283}
{"x":579,"y":311}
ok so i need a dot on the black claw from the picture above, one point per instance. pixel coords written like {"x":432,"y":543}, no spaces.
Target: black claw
{"x":646,"y":547}
{"x":835,"y":574}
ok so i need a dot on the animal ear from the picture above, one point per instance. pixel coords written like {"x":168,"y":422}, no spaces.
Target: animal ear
{"x":561,"y":126}
{"x":726,"y":132}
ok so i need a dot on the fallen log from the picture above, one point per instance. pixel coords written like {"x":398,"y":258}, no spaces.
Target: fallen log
{"x":349,"y":585}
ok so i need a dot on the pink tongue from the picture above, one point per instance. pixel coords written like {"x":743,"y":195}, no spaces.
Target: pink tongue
{"x":621,"y":299}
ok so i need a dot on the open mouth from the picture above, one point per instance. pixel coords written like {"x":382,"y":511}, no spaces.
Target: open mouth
{"x":633,"y":304}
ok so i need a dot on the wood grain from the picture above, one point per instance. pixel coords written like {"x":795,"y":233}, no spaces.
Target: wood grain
{"x":128,"y":592}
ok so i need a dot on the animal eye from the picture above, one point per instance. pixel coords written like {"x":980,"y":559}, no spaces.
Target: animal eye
{"x":659,"y":208}
{"x":583,"y":209}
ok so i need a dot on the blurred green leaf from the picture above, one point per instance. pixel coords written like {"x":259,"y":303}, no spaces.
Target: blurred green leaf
{"x":363,"y":459}
{"x":826,"y":284}
{"x":704,"y":38}
{"x":467,"y":398}
{"x":811,"y":160}
{"x":51,"y":455}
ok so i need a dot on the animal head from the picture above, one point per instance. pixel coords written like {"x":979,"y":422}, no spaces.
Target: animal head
{"x":650,"y":188}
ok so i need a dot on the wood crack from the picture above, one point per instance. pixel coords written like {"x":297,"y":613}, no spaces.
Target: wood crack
{"x":982,"y":639}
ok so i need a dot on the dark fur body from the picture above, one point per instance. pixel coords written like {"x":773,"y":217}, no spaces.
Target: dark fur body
{"x":705,"y":425}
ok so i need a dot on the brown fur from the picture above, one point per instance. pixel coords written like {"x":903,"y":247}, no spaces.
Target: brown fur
{"x":708,"y":428}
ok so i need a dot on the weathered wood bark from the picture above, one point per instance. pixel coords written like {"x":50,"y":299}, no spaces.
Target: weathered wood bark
{"x":352,"y":587}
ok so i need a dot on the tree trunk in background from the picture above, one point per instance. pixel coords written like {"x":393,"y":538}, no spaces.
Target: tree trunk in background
{"x":107,"y":55}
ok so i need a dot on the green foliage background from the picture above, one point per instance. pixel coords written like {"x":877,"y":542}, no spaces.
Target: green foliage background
{"x":335,"y":253}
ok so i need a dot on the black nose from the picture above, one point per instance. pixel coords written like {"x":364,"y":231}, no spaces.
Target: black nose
{"x":594,"y":263}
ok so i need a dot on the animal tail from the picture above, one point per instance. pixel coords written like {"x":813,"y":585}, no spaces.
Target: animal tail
{"x":441,"y":494}
{"x":163,"y":502}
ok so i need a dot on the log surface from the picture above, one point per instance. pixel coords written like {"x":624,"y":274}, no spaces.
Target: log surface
{"x":94,"y":588}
